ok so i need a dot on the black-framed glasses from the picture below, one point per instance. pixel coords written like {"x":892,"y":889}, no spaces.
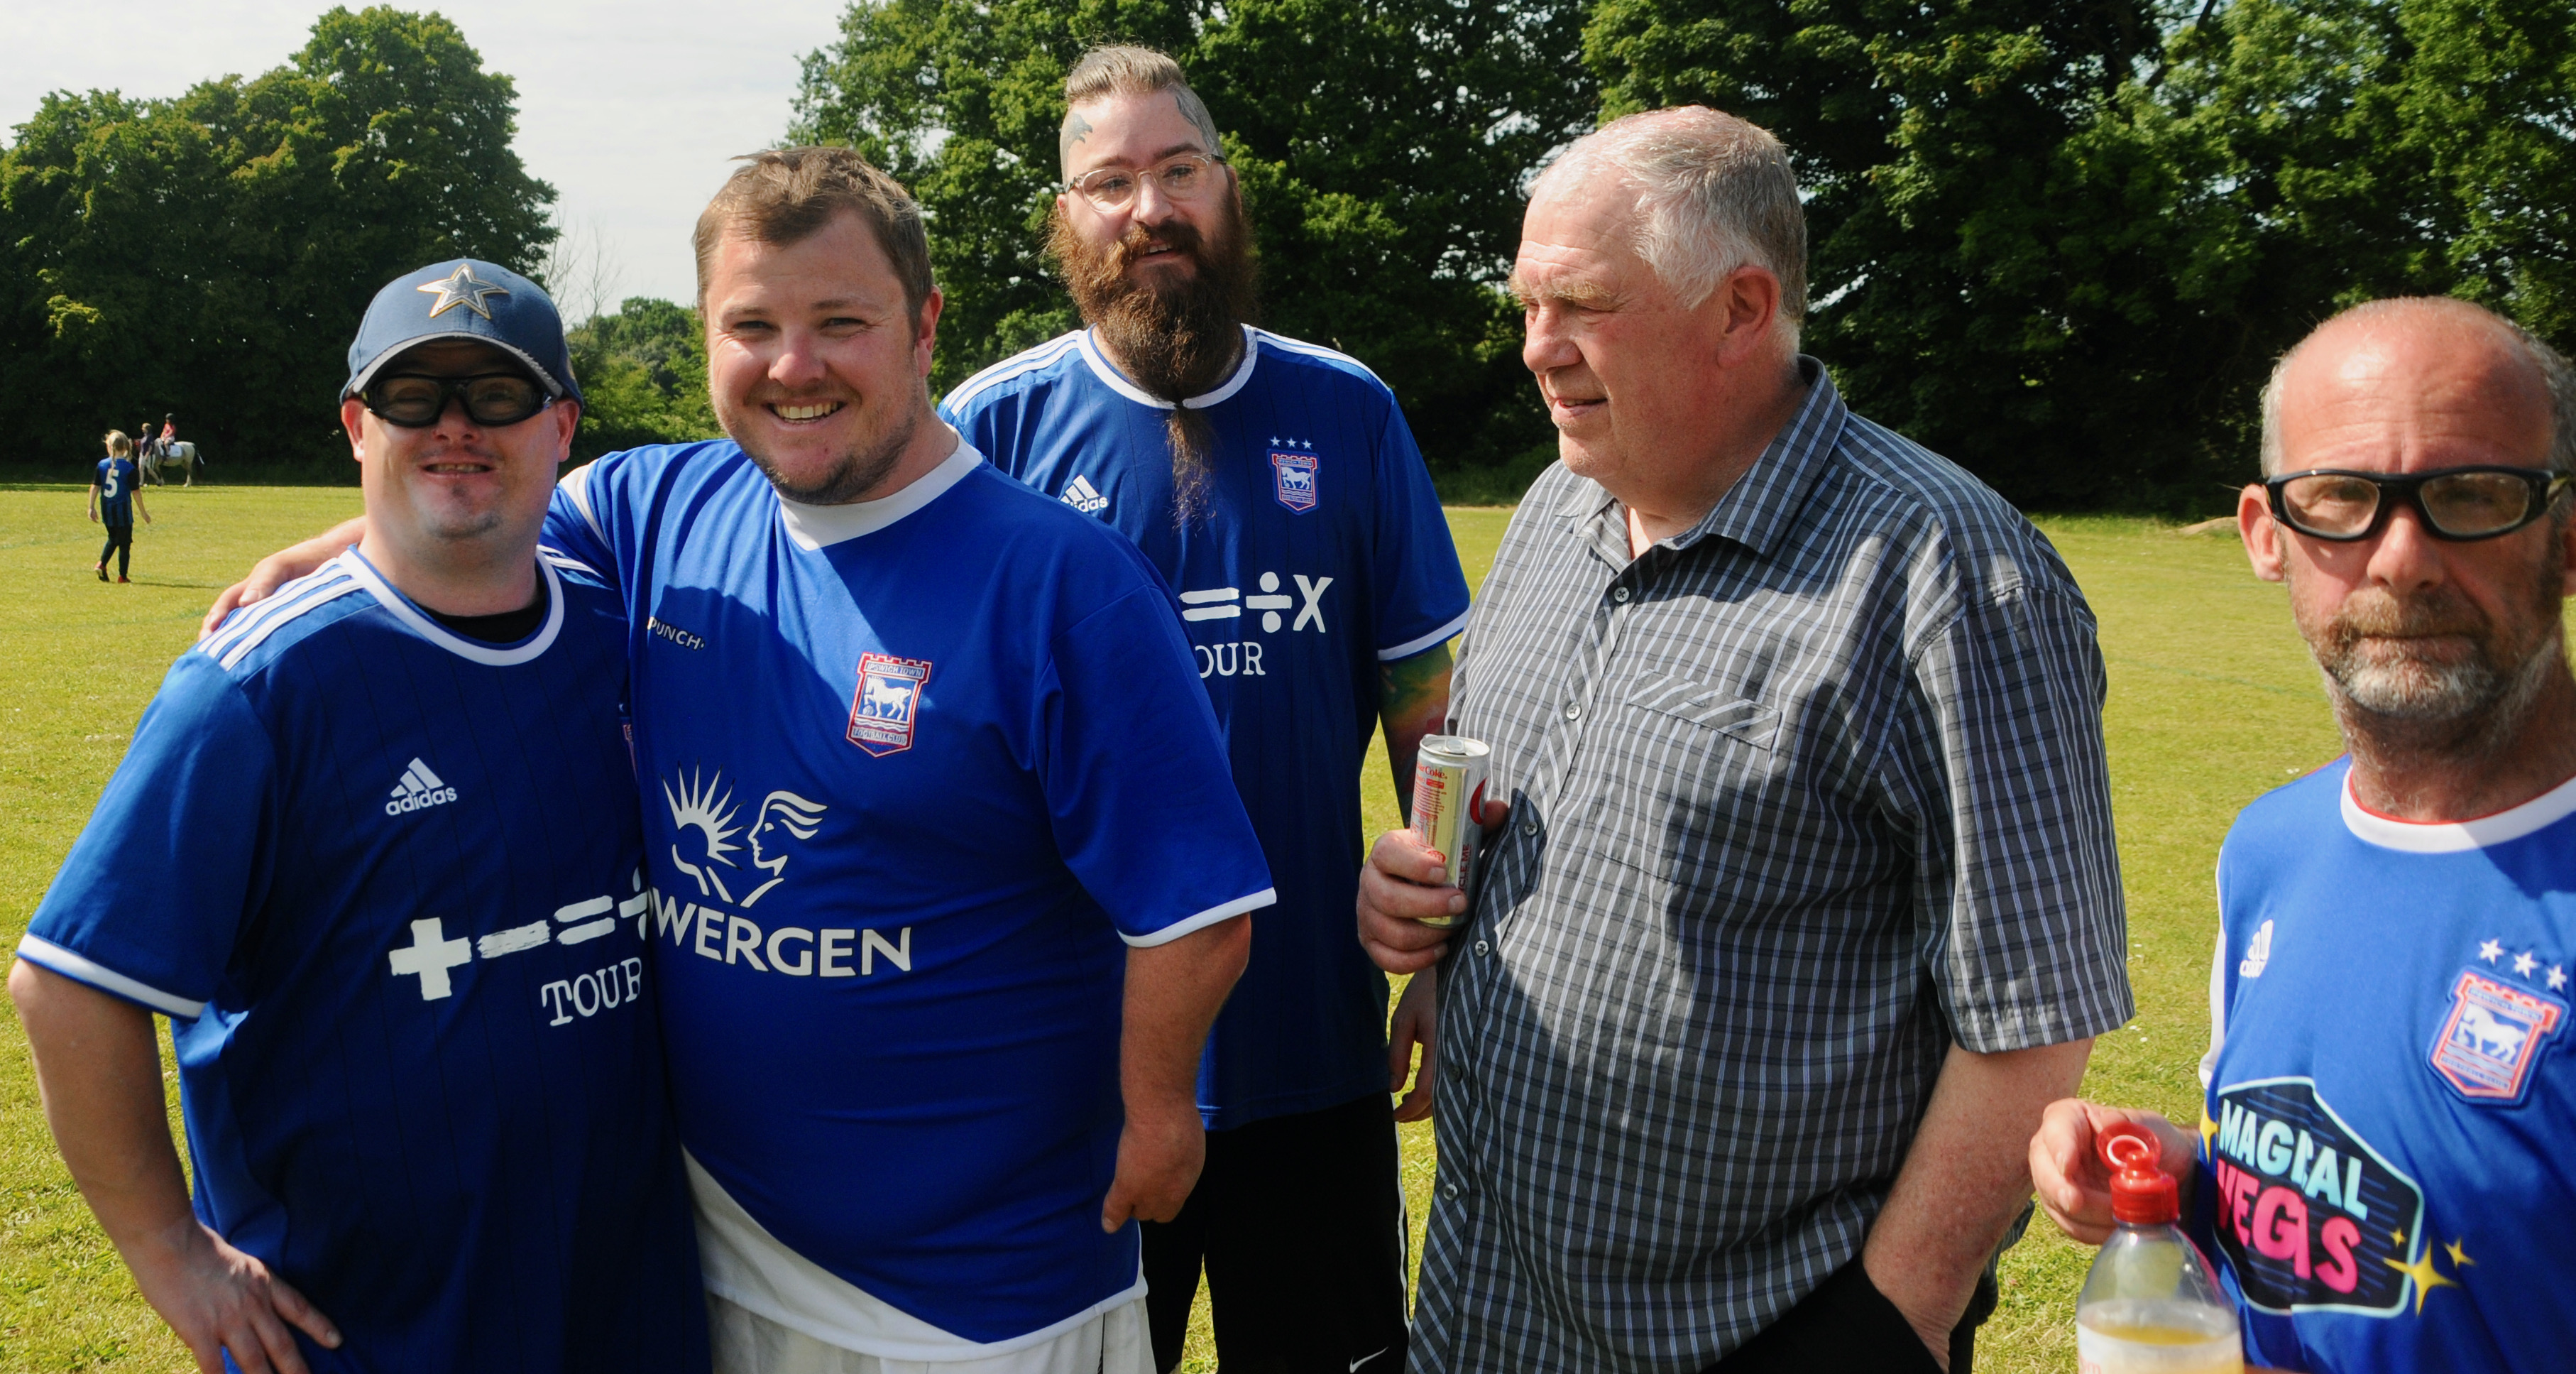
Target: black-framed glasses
{"x":2455,"y":503}
{"x":1183,"y":178}
{"x":493,"y":400}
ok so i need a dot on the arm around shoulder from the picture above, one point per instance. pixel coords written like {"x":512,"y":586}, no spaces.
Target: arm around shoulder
{"x":280,"y":568}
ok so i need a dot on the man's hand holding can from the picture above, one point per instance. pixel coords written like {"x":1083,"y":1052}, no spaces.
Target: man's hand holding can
{"x":1405,"y":881}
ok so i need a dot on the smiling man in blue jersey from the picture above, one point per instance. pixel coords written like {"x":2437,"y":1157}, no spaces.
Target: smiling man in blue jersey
{"x":2381,"y":1164}
{"x":1276,"y":486}
{"x":931,"y":777}
{"x":374,"y":853}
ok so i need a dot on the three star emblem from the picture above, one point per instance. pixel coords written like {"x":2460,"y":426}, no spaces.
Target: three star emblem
{"x":463,"y":288}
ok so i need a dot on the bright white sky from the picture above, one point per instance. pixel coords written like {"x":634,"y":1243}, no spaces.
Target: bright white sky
{"x":629,"y":109}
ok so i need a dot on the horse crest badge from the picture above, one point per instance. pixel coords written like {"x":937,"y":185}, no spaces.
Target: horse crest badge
{"x":888,"y":702}
{"x":2491,"y":1038}
{"x":1293,"y":477}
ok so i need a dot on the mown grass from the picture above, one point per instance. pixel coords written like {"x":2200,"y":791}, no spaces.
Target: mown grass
{"x":2213,"y":701}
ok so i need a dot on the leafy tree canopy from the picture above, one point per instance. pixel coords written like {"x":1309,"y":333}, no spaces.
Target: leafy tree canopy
{"x":211,"y":255}
{"x":643,"y":374}
{"x":2063,"y":243}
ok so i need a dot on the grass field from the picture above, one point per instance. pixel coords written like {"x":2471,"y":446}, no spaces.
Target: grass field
{"x":2213,"y":701}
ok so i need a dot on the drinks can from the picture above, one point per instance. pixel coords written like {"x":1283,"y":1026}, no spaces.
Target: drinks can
{"x":1448,"y":794}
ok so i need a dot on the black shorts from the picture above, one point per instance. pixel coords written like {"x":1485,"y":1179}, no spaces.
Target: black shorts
{"x":1300,"y":1223}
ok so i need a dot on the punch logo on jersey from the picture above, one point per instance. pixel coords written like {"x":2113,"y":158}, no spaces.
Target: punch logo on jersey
{"x":1293,"y":478}
{"x":417,"y":789}
{"x":1084,"y":497}
{"x":888,"y":701}
{"x":702,"y":812}
{"x":2493,"y":1034}
{"x":2308,"y":1214}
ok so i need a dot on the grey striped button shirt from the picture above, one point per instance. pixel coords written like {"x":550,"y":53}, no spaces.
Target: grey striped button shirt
{"x":1800,"y":797}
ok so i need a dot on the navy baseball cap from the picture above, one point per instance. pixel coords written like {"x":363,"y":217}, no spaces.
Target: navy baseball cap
{"x":464,"y":299}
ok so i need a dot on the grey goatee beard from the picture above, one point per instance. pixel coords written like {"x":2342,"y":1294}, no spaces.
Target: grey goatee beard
{"x":2398,"y":695}
{"x":1177,"y":339}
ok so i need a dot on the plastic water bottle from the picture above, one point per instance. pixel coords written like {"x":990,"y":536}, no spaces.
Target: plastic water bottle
{"x":2150,"y":1304}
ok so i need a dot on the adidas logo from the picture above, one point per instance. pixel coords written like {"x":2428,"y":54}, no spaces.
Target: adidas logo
{"x":1084,"y":497}
{"x":418,"y":789}
{"x":2260,"y":954}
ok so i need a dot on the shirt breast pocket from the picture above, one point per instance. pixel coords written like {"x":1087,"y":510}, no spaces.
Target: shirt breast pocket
{"x":1748,"y":722}
{"x":1681,"y":773}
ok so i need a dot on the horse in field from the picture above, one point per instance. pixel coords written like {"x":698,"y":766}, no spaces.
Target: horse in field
{"x":181,"y":452}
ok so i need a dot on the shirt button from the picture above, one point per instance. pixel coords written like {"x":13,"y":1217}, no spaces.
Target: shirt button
{"x":1530,"y":827}
{"x":1574,"y":710}
{"x":1482,"y":948}
{"x":1449,"y":1191}
{"x":1620,"y":595}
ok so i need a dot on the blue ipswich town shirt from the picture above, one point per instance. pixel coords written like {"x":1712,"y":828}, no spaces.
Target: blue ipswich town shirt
{"x":115,"y":481}
{"x":385,"y":881}
{"x":2391,"y":1104}
{"x":1323,"y":555}
{"x":914,"y":768}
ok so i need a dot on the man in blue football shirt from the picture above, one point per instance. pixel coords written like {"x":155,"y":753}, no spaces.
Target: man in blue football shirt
{"x":1276,"y":486}
{"x":2380,"y":1166}
{"x":374,"y":853}
{"x":113,"y":502}
{"x":947,"y":876}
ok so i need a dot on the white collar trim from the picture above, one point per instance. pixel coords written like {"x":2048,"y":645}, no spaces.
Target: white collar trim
{"x":2457,"y":837}
{"x":1115,"y":380}
{"x":818,"y":527}
{"x":493,"y":655}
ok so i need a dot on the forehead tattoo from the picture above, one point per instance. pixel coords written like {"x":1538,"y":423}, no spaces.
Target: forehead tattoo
{"x":1076,"y":128}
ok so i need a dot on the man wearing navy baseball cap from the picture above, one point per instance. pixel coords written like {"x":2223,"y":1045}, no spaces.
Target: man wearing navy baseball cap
{"x":375,"y":853}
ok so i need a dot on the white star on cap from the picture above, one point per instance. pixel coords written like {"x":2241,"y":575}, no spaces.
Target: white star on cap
{"x":2491,"y":951}
{"x":2557,"y":978}
{"x":2523,"y":963}
{"x":463,"y":288}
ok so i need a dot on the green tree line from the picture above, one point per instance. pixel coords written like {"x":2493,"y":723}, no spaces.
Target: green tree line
{"x":2060,"y":242}
{"x":210,"y":255}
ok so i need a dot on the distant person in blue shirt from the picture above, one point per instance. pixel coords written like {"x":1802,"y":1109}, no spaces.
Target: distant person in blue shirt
{"x":1277,"y":487}
{"x":947,"y":877}
{"x":374,"y":853}
{"x":113,"y":502}
{"x":2381,"y":1165}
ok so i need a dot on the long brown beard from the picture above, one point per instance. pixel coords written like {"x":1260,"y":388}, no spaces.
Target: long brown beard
{"x":1177,"y":340}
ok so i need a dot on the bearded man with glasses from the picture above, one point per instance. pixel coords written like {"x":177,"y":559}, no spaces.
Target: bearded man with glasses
{"x":1277,"y":488}
{"x":375,"y":852}
{"x":2387,"y":1082}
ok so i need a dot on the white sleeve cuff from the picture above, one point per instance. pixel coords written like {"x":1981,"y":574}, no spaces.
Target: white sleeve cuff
{"x":46,"y":954}
{"x":1203,"y":920}
{"x":1411,"y":647}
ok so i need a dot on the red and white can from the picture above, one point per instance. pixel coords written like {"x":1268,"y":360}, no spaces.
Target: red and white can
{"x":1448,"y":796}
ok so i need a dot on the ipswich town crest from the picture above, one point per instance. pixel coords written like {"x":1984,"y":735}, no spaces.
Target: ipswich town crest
{"x":1294,"y":477}
{"x":2493,"y":1033}
{"x":888,"y":702}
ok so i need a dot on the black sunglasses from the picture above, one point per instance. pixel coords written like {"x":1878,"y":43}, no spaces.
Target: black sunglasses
{"x":492,"y":399}
{"x":2457,"y":504}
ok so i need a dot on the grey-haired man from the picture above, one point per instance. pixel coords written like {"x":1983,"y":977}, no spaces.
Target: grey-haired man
{"x":1806,"y":902}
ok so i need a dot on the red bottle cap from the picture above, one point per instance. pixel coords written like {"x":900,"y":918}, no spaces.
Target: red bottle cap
{"x":2142,"y":1194}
